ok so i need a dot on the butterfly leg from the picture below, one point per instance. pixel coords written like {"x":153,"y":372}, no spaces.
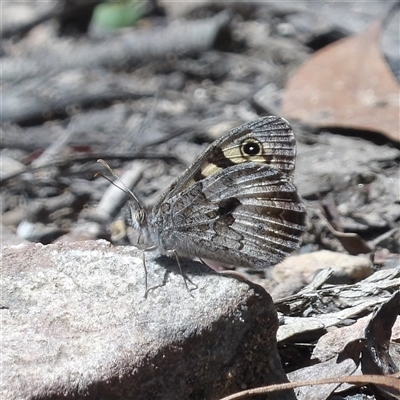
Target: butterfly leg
{"x":147,"y":289}
{"x":185,"y":278}
{"x":169,"y":253}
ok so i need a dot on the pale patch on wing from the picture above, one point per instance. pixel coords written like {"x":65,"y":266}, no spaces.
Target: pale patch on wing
{"x":210,"y":169}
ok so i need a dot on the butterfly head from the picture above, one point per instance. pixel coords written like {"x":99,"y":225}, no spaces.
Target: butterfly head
{"x":138,"y":216}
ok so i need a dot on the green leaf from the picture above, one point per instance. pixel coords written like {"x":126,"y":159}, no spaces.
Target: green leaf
{"x":114,"y":15}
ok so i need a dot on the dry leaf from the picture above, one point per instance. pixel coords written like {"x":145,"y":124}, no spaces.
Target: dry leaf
{"x":376,"y":357}
{"x":331,"y":368}
{"x":353,"y":243}
{"x":347,"y":84}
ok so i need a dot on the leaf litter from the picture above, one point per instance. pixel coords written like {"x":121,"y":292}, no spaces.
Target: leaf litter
{"x":347,"y":84}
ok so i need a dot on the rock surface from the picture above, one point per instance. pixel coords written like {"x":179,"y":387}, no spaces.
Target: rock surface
{"x":75,"y":324}
{"x":345,"y":266}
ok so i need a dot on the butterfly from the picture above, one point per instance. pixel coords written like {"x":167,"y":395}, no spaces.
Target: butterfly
{"x":235,"y":205}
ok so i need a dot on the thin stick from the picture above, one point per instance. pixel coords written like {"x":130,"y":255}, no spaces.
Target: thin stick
{"x":389,"y":381}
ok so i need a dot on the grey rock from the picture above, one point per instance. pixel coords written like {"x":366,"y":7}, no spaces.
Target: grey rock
{"x":75,"y":324}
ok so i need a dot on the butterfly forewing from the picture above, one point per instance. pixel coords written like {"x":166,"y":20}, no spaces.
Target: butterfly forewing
{"x":278,"y":149}
{"x":236,"y":204}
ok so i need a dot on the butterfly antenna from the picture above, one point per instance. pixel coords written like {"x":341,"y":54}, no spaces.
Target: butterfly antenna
{"x":124,"y":187}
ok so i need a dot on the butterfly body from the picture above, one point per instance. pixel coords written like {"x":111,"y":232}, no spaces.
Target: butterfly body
{"x":236,"y":204}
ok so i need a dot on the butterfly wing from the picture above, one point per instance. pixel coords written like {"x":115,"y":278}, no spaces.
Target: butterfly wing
{"x":236,"y":204}
{"x":273,"y":135}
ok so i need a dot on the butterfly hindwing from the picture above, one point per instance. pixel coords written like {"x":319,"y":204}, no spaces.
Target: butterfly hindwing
{"x":254,"y":223}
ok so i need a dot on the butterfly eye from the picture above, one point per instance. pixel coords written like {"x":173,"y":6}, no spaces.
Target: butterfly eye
{"x":251,"y":147}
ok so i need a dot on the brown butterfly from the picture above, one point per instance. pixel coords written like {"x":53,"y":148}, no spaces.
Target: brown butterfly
{"x":235,"y":205}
